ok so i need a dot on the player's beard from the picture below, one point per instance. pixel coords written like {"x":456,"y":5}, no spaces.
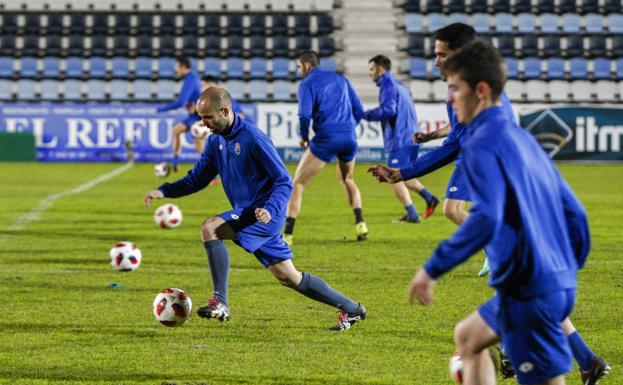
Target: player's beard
{"x":221,"y":127}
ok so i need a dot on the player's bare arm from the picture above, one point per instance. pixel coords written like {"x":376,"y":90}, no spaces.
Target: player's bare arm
{"x":421,"y":288}
{"x":153,"y":194}
{"x":423,"y":137}
{"x":262,"y":215}
{"x":385,"y":174}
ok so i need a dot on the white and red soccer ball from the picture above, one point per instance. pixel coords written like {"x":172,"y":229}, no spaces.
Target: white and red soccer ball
{"x":162,"y":170}
{"x":199,"y":130}
{"x":456,"y":368}
{"x":172,"y":307}
{"x":125,"y":256}
{"x":168,"y":216}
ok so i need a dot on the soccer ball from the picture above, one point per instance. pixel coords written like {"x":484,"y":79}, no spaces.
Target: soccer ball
{"x":168,"y":216}
{"x":456,"y":368}
{"x":125,"y":256}
{"x":172,"y":307}
{"x":162,"y":170}
{"x":199,"y":130}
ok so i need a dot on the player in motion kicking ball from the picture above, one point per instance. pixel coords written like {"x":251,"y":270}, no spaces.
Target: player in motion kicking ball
{"x":258,"y":187}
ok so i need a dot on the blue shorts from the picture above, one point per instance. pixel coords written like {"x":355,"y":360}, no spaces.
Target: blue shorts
{"x":262,"y":240}
{"x":401,"y":158}
{"x":190,"y":120}
{"x":532,"y":334}
{"x":326,"y":148}
{"x":457,"y":185}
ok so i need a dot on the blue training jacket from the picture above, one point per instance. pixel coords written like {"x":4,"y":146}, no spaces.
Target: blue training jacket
{"x":252,"y":173}
{"x":330,"y":100}
{"x":534,"y":227}
{"x":395,"y":112}
{"x":190,"y":92}
{"x":450,"y":149}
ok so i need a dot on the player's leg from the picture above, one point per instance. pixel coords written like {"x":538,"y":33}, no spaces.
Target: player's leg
{"x":454,"y":210}
{"x":431,"y":201}
{"x":592,"y":367}
{"x":213,"y":231}
{"x":200,"y":144}
{"x":402,"y":194}
{"x":308,"y":167}
{"x":178,"y":130}
{"x":345,"y":170}
{"x":472,"y":337}
{"x":317,"y":289}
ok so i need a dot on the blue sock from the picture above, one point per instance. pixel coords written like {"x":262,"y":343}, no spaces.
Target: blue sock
{"x":581,"y":352}
{"x":411,"y":213}
{"x":317,"y":289}
{"x":218,"y":258}
{"x":426,"y":195}
{"x":176,"y":160}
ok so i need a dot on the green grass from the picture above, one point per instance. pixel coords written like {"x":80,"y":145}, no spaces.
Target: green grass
{"x":60,"y":324}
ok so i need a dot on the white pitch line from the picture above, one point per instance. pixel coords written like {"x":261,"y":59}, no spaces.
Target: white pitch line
{"x":35,"y":214}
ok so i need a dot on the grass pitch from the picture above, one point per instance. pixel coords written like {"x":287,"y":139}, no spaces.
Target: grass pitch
{"x":61,"y":324}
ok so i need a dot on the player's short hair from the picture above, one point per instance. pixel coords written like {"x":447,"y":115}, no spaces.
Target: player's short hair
{"x":478,"y":61}
{"x":310,"y":57}
{"x":184,"y":61}
{"x":382,"y":61}
{"x":209,"y":79}
{"x":456,"y":35}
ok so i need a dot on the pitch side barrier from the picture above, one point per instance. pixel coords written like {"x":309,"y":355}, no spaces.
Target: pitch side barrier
{"x":104,"y":132}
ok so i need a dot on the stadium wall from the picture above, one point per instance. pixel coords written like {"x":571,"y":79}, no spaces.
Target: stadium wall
{"x":99,"y":132}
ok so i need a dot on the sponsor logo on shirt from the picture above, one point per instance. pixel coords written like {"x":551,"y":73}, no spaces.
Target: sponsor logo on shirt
{"x":394,"y":161}
{"x":453,"y":188}
{"x":235,"y":217}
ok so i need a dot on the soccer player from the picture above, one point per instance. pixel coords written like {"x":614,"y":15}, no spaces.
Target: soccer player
{"x":258,"y":186}
{"x":191,"y":88}
{"x":447,"y":41}
{"x":399,"y":122}
{"x":534,"y":228}
{"x":328,"y":99}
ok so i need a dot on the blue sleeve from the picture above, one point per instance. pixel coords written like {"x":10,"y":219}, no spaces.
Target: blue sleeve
{"x":388,"y":106}
{"x":304,"y":127}
{"x":433,"y":160}
{"x":488,"y":187}
{"x":182,"y":99}
{"x":236,"y":107}
{"x":306,"y":104}
{"x":265,"y":154}
{"x":577,"y":222}
{"x":197,"y":179}
{"x":355,"y":102}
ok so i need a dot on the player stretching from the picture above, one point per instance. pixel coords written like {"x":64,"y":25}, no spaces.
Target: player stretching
{"x":258,"y":187}
{"x":328,"y":99}
{"x":191,"y":88}
{"x":399,"y":122}
{"x":534,"y":228}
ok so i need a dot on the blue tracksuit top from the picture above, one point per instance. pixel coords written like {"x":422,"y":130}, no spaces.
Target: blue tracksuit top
{"x":535,"y":229}
{"x":190,"y":92}
{"x":450,"y":149}
{"x":252,"y":173}
{"x":395,"y":112}
{"x":328,"y":99}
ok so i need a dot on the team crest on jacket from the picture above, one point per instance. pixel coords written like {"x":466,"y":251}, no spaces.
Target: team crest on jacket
{"x":237,"y":148}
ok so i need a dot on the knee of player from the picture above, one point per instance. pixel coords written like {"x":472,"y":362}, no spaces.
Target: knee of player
{"x":208,"y":229}
{"x":463,"y":340}
{"x":450,"y":212}
{"x":286,"y":281}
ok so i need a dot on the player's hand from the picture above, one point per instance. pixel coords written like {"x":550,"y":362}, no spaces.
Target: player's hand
{"x":304,"y":143}
{"x":385,"y":174}
{"x":421,"y":288}
{"x":153,"y":194}
{"x":262,"y":215}
{"x":423,"y":137}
